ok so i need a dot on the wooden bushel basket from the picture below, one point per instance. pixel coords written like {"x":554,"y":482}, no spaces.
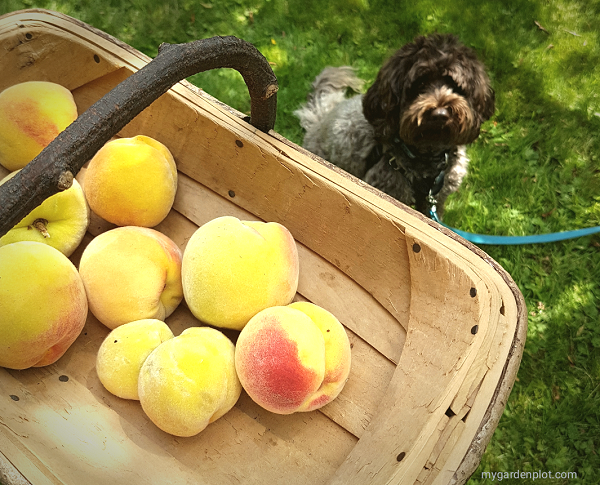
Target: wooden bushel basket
{"x":437,"y":327}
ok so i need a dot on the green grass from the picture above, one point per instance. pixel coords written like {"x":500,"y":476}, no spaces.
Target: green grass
{"x":535,"y":168}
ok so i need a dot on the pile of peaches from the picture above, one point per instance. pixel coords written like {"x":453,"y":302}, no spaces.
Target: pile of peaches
{"x":232,"y":274}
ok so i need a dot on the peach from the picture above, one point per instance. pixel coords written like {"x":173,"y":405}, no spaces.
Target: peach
{"x":293,"y":358}
{"x":32,"y":114}
{"x":43,"y":306}
{"x":233,"y":269}
{"x":60,"y":221}
{"x":124,"y":350}
{"x":131,"y":273}
{"x":190,"y":381}
{"x":132,"y":181}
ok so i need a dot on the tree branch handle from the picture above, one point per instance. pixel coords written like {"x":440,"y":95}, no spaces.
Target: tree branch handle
{"x":54,"y":168}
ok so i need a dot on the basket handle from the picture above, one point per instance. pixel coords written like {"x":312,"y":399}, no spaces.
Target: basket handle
{"x":54,"y":168}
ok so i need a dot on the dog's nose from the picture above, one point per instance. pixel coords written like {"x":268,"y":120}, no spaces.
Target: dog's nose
{"x":440,"y":114}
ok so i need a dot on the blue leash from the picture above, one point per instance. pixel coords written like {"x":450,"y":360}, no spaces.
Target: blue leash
{"x":517,"y":240}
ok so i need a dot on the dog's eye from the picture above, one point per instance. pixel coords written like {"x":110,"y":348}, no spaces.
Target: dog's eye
{"x":451,"y":83}
{"x":423,"y":83}
{"x":419,"y":86}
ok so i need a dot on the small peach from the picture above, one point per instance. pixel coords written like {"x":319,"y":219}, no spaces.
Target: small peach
{"x":124,"y":350}
{"x":132,"y":181}
{"x":43,"y":306}
{"x":233,"y":269}
{"x":131,"y":273}
{"x":189,"y":381}
{"x":32,"y":114}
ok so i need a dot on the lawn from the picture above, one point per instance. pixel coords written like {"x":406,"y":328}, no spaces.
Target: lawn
{"x":535,"y":168}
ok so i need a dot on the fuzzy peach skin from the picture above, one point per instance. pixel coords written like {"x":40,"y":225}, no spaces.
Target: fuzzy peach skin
{"x":60,"y":221}
{"x":233,"y":269}
{"x":43,"y":306}
{"x":124,"y":350}
{"x":32,"y":114}
{"x":132,"y":181}
{"x":337,"y":355}
{"x":131,"y":273}
{"x":280,"y":359}
{"x":190,"y":381}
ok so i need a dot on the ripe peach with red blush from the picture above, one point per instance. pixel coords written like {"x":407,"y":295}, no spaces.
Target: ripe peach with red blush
{"x":32,"y":114}
{"x":293,"y":358}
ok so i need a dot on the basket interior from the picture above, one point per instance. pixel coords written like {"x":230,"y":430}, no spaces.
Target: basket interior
{"x":403,"y":297}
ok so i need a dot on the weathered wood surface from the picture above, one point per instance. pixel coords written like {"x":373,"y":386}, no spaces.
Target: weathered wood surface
{"x":424,"y":394}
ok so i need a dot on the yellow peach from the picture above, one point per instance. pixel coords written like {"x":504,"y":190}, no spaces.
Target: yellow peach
{"x":43,"y":305}
{"x":233,"y":269}
{"x":190,"y":381}
{"x":293,"y":358}
{"x":337,"y":354}
{"x":132,"y":181}
{"x":60,"y":221}
{"x":124,"y":350}
{"x":131,"y":273}
{"x":32,"y":114}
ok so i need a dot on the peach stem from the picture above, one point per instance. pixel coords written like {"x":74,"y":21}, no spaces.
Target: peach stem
{"x":40,"y":225}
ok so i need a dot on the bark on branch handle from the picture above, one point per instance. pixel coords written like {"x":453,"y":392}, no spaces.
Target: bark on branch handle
{"x":53,"y":169}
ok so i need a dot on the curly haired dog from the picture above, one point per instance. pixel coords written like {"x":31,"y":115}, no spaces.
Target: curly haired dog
{"x":406,"y":135}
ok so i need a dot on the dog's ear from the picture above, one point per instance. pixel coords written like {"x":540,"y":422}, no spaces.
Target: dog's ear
{"x":488,"y":105}
{"x":482,"y":96}
{"x":470,"y":75}
{"x":380,"y":103}
{"x":383,"y":100}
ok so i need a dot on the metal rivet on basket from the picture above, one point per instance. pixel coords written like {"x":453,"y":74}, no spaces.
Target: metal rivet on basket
{"x":231,"y":194}
{"x":473,"y":292}
{"x":97,"y":58}
{"x":63,"y":378}
{"x":14,"y":398}
{"x":416,"y":248}
{"x":475,"y":329}
{"x":239,"y":143}
{"x":401,"y":456}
